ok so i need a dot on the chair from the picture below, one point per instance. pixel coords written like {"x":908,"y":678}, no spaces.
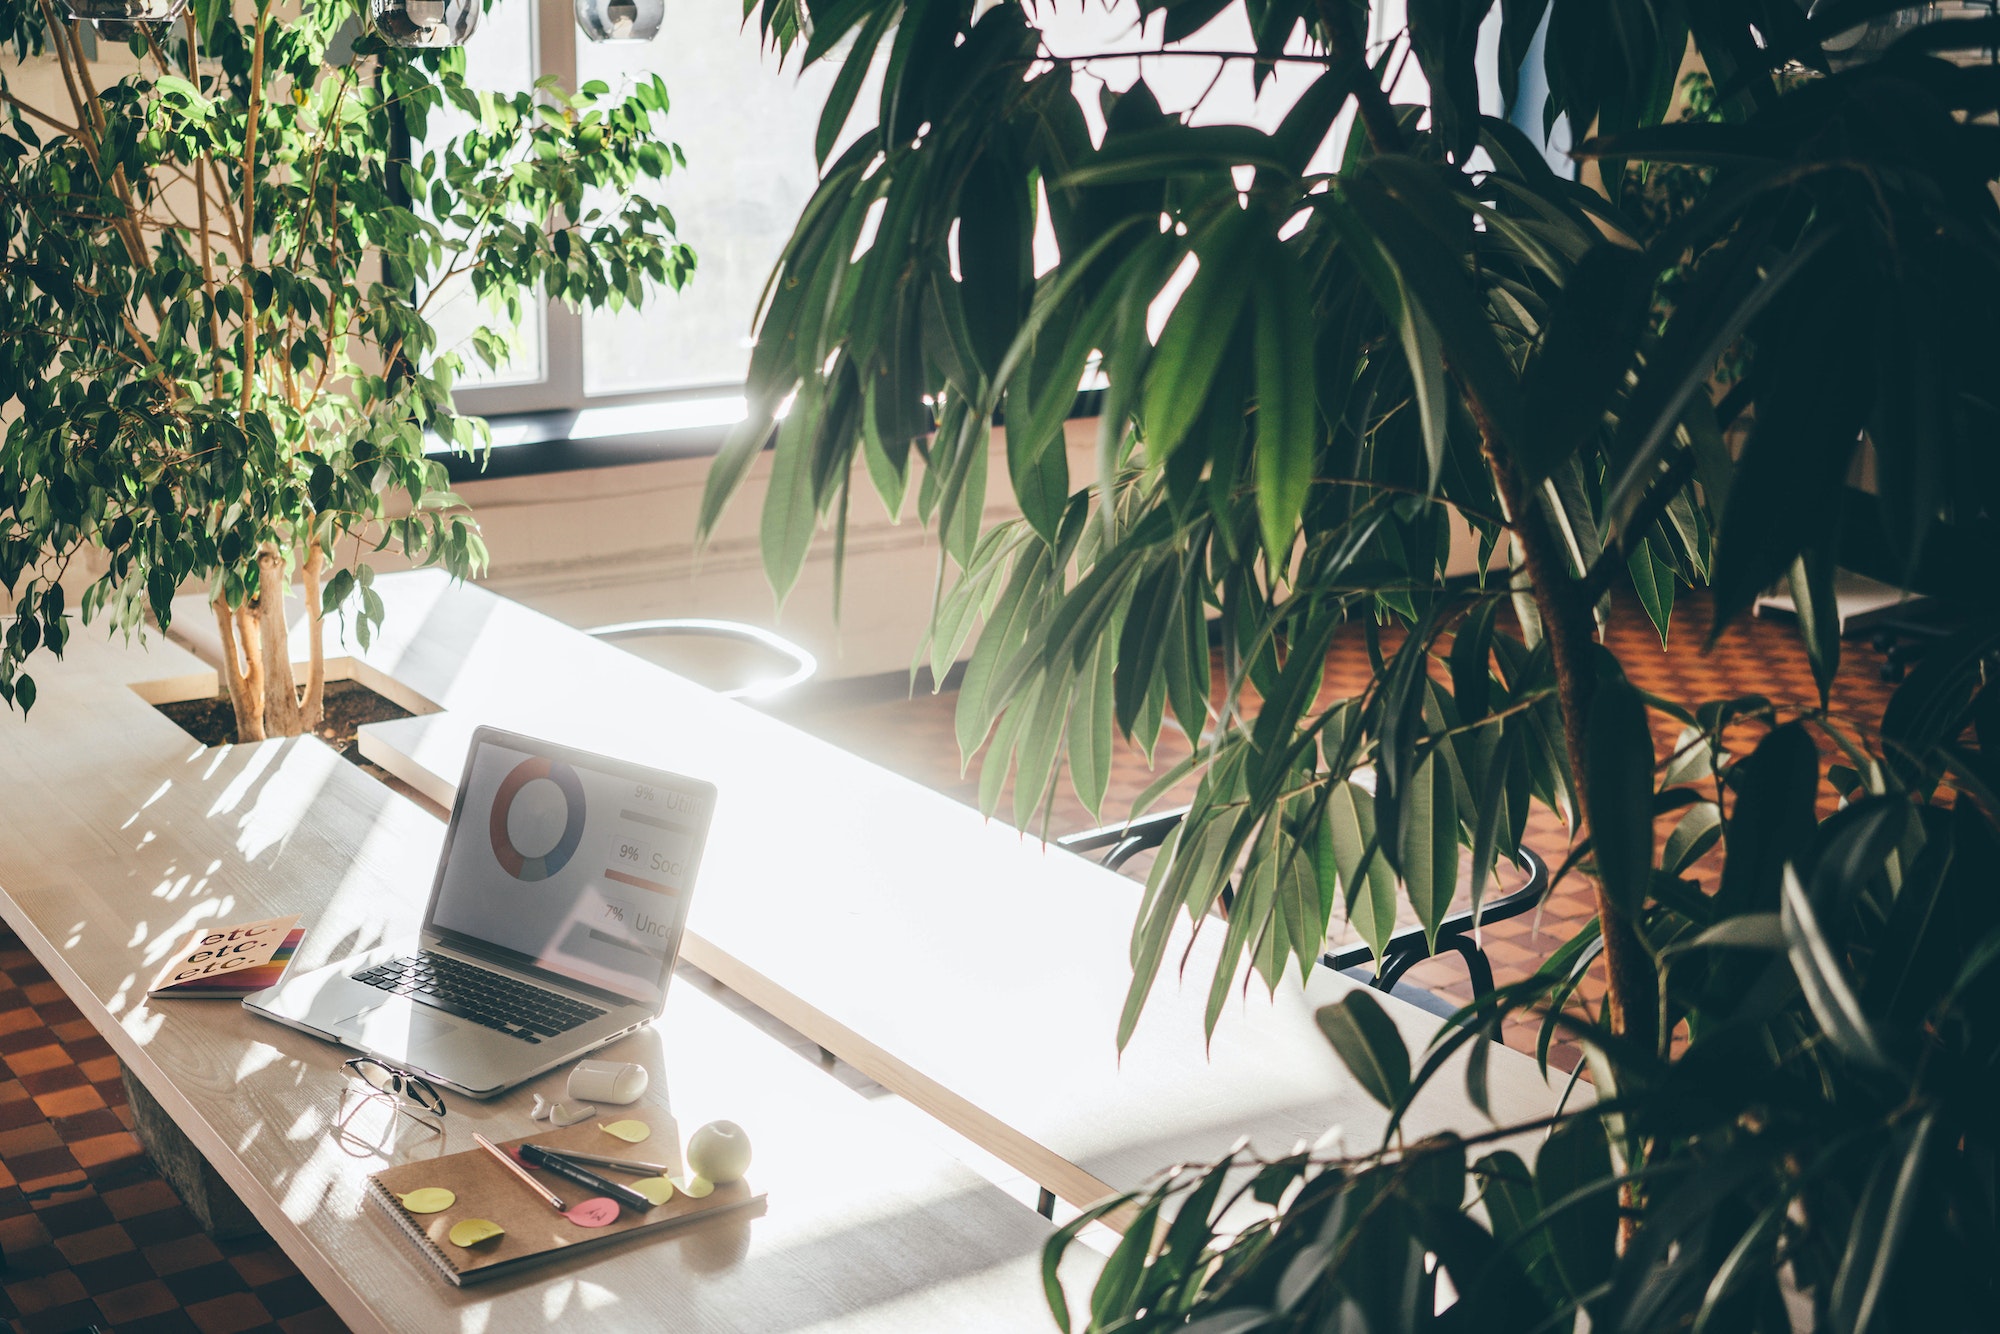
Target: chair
{"x":803,"y":663}
{"x":1406,"y":948}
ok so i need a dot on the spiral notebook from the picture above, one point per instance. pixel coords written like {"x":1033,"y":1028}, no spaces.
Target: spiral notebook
{"x":534,"y":1232}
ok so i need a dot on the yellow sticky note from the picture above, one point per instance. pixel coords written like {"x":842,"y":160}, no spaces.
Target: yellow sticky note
{"x":657,"y":1189}
{"x":472,"y":1231}
{"x":429,"y":1200}
{"x":697,"y":1188}
{"x":632,"y":1132}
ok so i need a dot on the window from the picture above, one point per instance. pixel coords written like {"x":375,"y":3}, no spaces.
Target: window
{"x":746,"y":126}
{"x":747,"y":130}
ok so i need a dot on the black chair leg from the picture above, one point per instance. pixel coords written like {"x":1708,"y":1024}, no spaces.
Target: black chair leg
{"x":1477,"y":966}
{"x":1046,"y":1205}
{"x":1393,"y":967}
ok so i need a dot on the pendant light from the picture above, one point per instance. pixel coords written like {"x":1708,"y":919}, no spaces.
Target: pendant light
{"x":424,"y":22}
{"x":620,"y":20}
{"x":127,"y":11}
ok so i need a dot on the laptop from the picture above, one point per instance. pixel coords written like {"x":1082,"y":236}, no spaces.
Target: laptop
{"x":554,"y":922}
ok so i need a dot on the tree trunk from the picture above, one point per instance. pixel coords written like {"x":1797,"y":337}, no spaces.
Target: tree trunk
{"x":1569,"y":625}
{"x":253,"y":654}
{"x":281,"y":689}
{"x":246,"y":692}
{"x":1568,"y":618}
{"x":312,"y":710}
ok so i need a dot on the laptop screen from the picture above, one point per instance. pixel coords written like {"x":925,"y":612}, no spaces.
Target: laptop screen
{"x":579,"y":870}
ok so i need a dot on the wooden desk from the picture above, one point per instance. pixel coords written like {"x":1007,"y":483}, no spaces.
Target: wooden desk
{"x":118,"y":835}
{"x":961,"y":964}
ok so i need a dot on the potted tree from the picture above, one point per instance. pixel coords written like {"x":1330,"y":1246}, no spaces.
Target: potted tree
{"x":1794,"y":1056}
{"x":218,"y":360}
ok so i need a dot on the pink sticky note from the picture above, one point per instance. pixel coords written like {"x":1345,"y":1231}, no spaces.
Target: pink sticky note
{"x":599,"y":1212}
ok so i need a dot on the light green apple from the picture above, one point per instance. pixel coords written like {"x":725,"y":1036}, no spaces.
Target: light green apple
{"x":719,"y":1152}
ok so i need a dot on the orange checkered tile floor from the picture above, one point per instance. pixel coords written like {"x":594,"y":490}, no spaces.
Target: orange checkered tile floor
{"x":93,"y":1237}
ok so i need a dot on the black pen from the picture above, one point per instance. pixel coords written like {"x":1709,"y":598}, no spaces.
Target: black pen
{"x":633,"y":1165}
{"x":536,"y":1156}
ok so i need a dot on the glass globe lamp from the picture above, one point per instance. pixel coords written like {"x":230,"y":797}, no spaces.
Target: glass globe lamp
{"x":424,"y":22}
{"x":127,"y":11}
{"x":620,"y":20}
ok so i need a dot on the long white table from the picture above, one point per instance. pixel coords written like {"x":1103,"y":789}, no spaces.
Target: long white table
{"x":119,"y":835}
{"x":963,"y":965}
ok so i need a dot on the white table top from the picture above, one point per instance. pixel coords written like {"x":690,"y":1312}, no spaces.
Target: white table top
{"x":118,"y":835}
{"x":961,"y":964}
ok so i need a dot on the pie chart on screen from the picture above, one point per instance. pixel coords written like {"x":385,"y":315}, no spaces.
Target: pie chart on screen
{"x":537,"y":819}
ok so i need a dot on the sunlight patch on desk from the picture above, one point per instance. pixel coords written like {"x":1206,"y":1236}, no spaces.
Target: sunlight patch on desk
{"x":309,"y":1123}
{"x":585,"y":1297}
{"x":176,"y":933}
{"x":257,"y":1056}
{"x":256,"y":758}
{"x":143,"y":1025}
{"x":283,"y":802}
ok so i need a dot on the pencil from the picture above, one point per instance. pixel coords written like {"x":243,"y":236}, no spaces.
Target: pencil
{"x":553,"y":1200}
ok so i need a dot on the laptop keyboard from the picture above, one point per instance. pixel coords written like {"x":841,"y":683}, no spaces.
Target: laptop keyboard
{"x":489,"y":999}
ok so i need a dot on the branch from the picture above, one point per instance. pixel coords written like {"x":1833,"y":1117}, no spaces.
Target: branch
{"x":1378,"y":116}
{"x":40,"y":115}
{"x":248,"y":257}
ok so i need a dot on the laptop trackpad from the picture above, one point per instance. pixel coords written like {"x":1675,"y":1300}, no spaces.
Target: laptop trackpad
{"x":394,"y":1025}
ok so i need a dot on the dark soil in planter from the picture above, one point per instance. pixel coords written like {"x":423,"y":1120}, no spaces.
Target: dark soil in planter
{"x":349,"y":705}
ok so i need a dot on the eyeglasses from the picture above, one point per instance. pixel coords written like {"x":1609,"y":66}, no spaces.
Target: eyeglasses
{"x":402,"y":1085}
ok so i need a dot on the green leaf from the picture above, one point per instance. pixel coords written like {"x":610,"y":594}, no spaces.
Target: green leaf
{"x":1367,"y":877}
{"x":1119,"y":1281}
{"x":1579,"y":1199}
{"x":1619,"y":792}
{"x":1286,"y":419}
{"x":1419,"y":340}
{"x":1653,"y":580}
{"x":1197,"y":334}
{"x":1755,"y":931}
{"x":1811,"y":581}
{"x":1038,"y":467}
{"x":1687,"y":358}
{"x":1369,"y":1044}
{"x":1411,"y":209}
{"x":1471,"y":644}
{"x":1881,"y":1221}
{"x":1429,"y":812}
{"x":1693,"y":836}
{"x":1581,"y":364}
{"x":847,"y":84}
{"x":1054,"y":1248}
{"x":1491,"y":810}
{"x":1824,"y":981}
{"x":789,"y":510}
{"x":1090,"y":728}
